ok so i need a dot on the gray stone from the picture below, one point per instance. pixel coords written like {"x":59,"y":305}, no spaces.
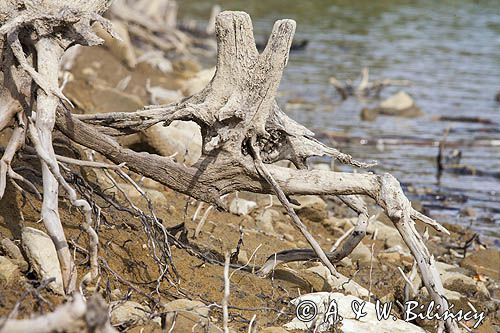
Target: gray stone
{"x":362,"y":254}
{"x":454,"y":279}
{"x":42,"y":256}
{"x":311,"y":207}
{"x":241,"y":206}
{"x":129,"y":311}
{"x":341,"y":283}
{"x":8,"y":271}
{"x":13,"y":252}
{"x":182,"y":138}
{"x":198,"y":82}
{"x":400,"y":105}
{"x":264,"y":220}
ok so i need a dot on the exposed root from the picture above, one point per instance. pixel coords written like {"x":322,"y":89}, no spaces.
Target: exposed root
{"x":291,"y":212}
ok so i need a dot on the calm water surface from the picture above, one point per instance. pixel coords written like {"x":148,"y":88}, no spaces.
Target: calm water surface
{"x":450,"y":50}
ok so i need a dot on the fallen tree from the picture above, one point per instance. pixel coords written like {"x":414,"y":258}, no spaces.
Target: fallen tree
{"x":243,"y":129}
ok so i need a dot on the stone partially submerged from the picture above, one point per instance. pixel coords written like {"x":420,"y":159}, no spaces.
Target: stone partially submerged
{"x":398,"y":105}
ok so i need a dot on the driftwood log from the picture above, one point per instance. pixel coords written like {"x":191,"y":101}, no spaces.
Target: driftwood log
{"x":244,"y":131}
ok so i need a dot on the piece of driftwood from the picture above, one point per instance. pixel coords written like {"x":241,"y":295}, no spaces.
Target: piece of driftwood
{"x":33,"y":37}
{"x":365,"y":88}
{"x":244,"y":132}
{"x":77,"y":315}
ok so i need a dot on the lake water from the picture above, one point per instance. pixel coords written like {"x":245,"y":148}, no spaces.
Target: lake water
{"x":450,"y":50}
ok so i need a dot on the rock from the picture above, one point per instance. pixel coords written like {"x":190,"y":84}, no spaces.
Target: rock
{"x":369,"y":114}
{"x":340,"y":283}
{"x":400,"y":105}
{"x":241,"y":206}
{"x":283,"y":227}
{"x":390,"y":257}
{"x":349,"y":324}
{"x":469,"y":211}
{"x":362,"y":254}
{"x":455,"y":280}
{"x":8,"y":271}
{"x":312,"y":207}
{"x":389,"y":235}
{"x":192,"y":316}
{"x":182,"y":138}
{"x":198,"y":82}
{"x":160,"y":95}
{"x":273,"y":330}
{"x":243,"y":257}
{"x":10,"y":249}
{"x":485,"y":262}
{"x":196,"y":307}
{"x":129,"y":311}
{"x":265,"y":220}
{"x":399,"y":101}
{"x":100,"y":98}
{"x":157,"y":60}
{"x":42,"y":256}
{"x":121,"y":49}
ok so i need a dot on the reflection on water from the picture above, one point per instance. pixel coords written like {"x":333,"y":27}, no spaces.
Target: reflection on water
{"x":450,"y":50}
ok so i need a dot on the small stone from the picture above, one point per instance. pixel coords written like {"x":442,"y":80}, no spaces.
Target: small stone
{"x":455,"y":280}
{"x":180,"y":138}
{"x":485,"y":262}
{"x":243,"y":257}
{"x":348,"y":285}
{"x":469,"y":211}
{"x":312,"y":207}
{"x":264,"y":221}
{"x":400,"y":105}
{"x":362,"y":254}
{"x":289,"y":237}
{"x":198,"y":82}
{"x":282,"y":227}
{"x":241,"y":206}
{"x":390,"y":257}
{"x":42,"y":256}
{"x":122,"y":312}
{"x":399,"y":101}
{"x":8,"y":271}
{"x":13,"y":252}
{"x":190,"y":314}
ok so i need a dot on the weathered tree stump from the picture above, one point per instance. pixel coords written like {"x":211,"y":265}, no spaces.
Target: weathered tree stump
{"x":243,"y":129}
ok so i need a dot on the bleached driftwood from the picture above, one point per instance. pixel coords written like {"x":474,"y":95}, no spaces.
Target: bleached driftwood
{"x":44,"y":29}
{"x":244,"y":132}
{"x":365,"y":88}
{"x":74,"y":316}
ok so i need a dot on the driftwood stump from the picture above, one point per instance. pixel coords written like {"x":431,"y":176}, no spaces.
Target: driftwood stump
{"x":244,"y":131}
